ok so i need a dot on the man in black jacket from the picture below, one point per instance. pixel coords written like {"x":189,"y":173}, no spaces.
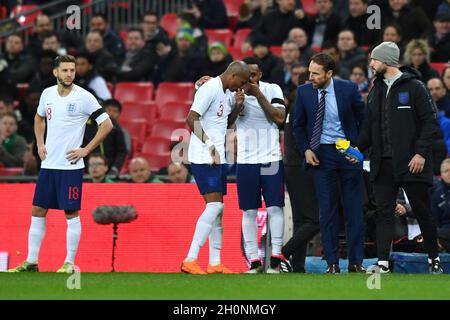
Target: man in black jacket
{"x":400,"y":127}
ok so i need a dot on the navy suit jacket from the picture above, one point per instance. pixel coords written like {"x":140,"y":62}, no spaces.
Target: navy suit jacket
{"x":350,"y":106}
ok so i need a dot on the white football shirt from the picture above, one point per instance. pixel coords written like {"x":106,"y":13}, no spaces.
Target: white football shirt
{"x":213,"y":105}
{"x":66,"y":122}
{"x":258,"y":139}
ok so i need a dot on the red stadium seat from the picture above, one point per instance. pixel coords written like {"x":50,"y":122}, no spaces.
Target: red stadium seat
{"x":175,"y":111}
{"x":237,"y":54}
{"x":309,"y":6}
{"x":276,"y":50}
{"x":316,"y":49}
{"x":174,"y":91}
{"x":110,"y":87}
{"x":3,"y":12}
{"x":156,"y":145}
{"x":439,"y":66}
{"x":124,"y":37}
{"x":169,"y":23}
{"x":156,"y":162}
{"x":22,"y":88}
{"x":165,"y":128}
{"x":147,"y":110}
{"x":7,"y":172}
{"x":240,"y":37}
{"x":222,"y":35}
{"x":134,"y":91}
{"x":29,"y":18}
{"x":232,"y":7}
{"x":136,"y":128}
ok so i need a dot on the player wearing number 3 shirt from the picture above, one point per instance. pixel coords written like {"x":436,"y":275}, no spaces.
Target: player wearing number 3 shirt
{"x":64,"y":109}
{"x":208,"y":120}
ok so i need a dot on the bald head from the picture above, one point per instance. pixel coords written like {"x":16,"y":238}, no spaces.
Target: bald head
{"x":139,"y":170}
{"x":43,"y":24}
{"x":437,"y":88}
{"x":236,"y":75}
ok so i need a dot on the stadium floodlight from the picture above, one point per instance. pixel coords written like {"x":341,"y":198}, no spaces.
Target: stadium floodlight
{"x":114,"y":215}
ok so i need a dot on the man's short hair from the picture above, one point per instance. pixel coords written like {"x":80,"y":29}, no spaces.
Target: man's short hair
{"x":135,"y":29}
{"x":9,"y":114}
{"x":98,"y":155}
{"x":64,"y":58}
{"x":100,"y":15}
{"x":325,"y":60}
{"x":112,"y":103}
{"x":150,"y":13}
{"x":49,"y":34}
{"x":6,"y":98}
{"x":86,"y":55}
{"x":253,"y":60}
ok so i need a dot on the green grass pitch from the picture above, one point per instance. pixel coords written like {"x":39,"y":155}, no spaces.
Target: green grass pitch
{"x":173,"y":286}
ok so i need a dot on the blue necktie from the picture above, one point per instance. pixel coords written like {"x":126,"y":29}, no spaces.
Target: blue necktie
{"x":318,"y":124}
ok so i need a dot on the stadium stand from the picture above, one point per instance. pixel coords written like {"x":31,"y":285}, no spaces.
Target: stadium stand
{"x":134,"y":91}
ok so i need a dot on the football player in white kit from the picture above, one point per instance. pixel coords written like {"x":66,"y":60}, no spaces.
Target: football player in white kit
{"x":64,"y":109}
{"x":260,"y":169}
{"x":208,"y":120}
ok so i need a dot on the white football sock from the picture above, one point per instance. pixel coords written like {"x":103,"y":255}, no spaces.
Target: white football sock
{"x":215,"y":241}
{"x":35,"y":236}
{"x":203,"y":228}
{"x":383,"y":263}
{"x":250,"y":232}
{"x":276,"y":224}
{"x":431,"y":260}
{"x":72,"y":238}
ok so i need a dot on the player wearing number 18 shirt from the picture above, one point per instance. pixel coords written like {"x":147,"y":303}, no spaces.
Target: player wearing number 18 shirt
{"x":64,"y":109}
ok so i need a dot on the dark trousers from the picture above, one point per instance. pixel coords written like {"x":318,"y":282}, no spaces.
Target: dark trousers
{"x":305,"y":214}
{"x":334,"y":169}
{"x":444,"y":238}
{"x":385,"y":190}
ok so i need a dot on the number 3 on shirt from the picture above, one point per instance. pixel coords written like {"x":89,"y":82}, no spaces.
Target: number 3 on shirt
{"x":220,"y":112}
{"x":49,"y":113}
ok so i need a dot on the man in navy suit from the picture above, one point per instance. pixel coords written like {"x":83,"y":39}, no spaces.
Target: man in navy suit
{"x":328,"y":109}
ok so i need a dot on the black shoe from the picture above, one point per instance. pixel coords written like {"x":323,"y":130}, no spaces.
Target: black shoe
{"x":333,"y":268}
{"x":377,"y":268}
{"x":435,"y":267}
{"x":285,"y":266}
{"x":356,"y":268}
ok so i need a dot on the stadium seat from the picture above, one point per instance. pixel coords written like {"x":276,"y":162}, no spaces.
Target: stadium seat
{"x":222,"y":35}
{"x":309,"y":6}
{"x":165,"y":128}
{"x":439,"y":66}
{"x":175,"y":111}
{"x":237,"y":54}
{"x":132,"y":110}
{"x":136,"y":128}
{"x":29,"y":18}
{"x":110,"y":87}
{"x":156,"y":162}
{"x":232,"y":7}
{"x":8,"y":172}
{"x":240,"y":36}
{"x":316,"y":49}
{"x":156,"y":145}
{"x":22,"y":88}
{"x":3,"y":12}
{"x":174,"y":91}
{"x":276,"y":50}
{"x":133,"y":91}
{"x":124,"y":37}
{"x":169,"y":23}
